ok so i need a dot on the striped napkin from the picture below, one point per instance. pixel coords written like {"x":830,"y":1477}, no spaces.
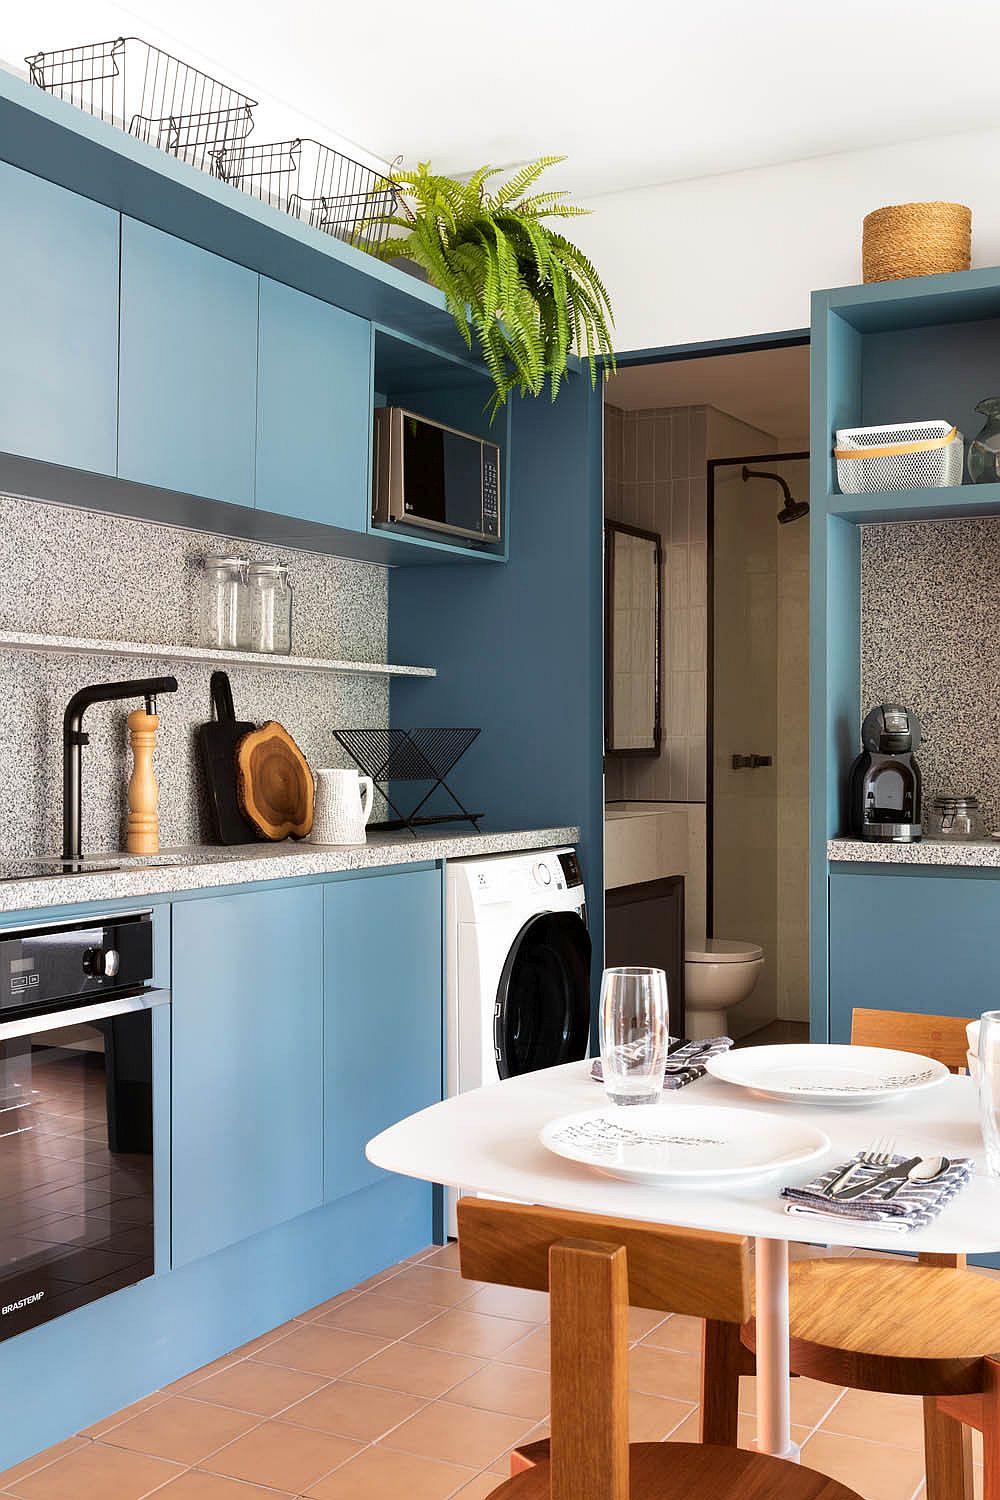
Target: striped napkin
{"x":685,"y":1063}
{"x":915,"y":1205}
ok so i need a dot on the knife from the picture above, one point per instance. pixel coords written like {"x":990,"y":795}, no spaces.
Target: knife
{"x":858,"y":1189}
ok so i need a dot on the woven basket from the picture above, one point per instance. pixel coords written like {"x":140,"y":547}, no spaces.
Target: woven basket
{"x":916,"y":239}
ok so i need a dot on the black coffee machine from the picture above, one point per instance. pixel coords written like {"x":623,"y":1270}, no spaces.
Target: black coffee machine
{"x":885,"y":778}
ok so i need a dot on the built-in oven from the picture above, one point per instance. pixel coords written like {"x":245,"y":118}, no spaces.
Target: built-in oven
{"x":76,"y":1114}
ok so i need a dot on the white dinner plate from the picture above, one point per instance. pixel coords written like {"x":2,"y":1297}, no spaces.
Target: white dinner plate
{"x":822,"y":1074}
{"x":677,"y":1145}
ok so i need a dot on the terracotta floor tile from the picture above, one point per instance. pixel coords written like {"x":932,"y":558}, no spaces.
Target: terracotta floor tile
{"x":319,"y":1350}
{"x":186,"y":1431}
{"x":510,"y":1302}
{"x":284,"y":1457}
{"x":11,"y":1476}
{"x":445,"y":1255}
{"x":385,"y":1474}
{"x":432,"y":1284}
{"x":660,"y":1372}
{"x":811,"y":1400}
{"x":196,"y":1485}
{"x":461,"y":1332}
{"x":689,"y":1431}
{"x":532,"y":1352}
{"x":746,"y":1432}
{"x":873,"y":1469}
{"x":511,"y":1389}
{"x":458,"y":1434}
{"x":361,"y":1412}
{"x":642,"y":1321}
{"x":677,"y":1332}
{"x":225,"y":1362}
{"x":480,"y":1487}
{"x":380,"y":1315}
{"x":117,"y":1418}
{"x":95,"y":1472}
{"x":898,"y":1420}
{"x":323,"y":1309}
{"x":415,"y":1371}
{"x":245,"y":1350}
{"x":535,"y":1434}
{"x":261,"y":1389}
{"x":652,"y":1418}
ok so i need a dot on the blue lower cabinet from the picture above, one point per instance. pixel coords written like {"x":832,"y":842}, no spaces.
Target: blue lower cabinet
{"x":314,"y":418}
{"x":188,"y":403}
{"x":58,"y":324}
{"x":384,"y":1008}
{"x":247,"y":1090}
{"x":911,"y":940}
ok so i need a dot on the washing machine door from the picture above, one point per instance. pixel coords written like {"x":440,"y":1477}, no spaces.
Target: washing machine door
{"x":542,"y":1013}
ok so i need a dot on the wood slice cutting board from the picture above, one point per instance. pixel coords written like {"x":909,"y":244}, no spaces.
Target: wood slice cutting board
{"x":274,"y":783}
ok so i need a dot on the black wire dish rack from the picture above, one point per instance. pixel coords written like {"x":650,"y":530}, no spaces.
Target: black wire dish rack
{"x":415,"y":756}
{"x":314,"y":183}
{"x":145,"y":91}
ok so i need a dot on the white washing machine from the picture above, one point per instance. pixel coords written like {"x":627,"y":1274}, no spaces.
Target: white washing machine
{"x":518,"y":968}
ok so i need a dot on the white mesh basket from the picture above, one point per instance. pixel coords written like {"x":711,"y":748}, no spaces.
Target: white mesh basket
{"x":905,"y":455}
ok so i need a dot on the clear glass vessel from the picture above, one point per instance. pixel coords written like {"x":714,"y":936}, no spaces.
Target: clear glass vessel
{"x":634,"y":1034}
{"x":270,"y":608}
{"x":989,"y":1087}
{"x":225,"y":604}
{"x":984,"y":450}
{"x":954,"y":817}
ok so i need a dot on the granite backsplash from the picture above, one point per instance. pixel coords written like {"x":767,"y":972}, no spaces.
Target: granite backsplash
{"x":930,"y":638}
{"x":76,"y":572}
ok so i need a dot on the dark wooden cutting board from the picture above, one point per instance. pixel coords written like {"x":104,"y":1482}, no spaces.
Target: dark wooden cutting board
{"x":218,"y":742}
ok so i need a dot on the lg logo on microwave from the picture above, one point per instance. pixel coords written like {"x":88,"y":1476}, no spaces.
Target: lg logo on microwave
{"x":13,"y":1307}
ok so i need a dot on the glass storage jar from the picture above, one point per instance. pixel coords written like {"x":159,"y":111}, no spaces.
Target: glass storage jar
{"x":225,"y":604}
{"x":270,"y":608}
{"x":955,"y":817}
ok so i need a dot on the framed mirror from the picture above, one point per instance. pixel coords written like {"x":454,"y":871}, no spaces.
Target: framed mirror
{"x":632,"y":561}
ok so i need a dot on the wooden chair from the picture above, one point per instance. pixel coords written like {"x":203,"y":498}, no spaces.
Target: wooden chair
{"x":928,"y":1328}
{"x":593,"y":1268}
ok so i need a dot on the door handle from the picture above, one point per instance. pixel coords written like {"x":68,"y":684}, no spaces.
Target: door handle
{"x":751,"y":762}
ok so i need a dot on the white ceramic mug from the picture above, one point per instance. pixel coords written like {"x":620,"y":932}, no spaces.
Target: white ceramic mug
{"x":343,"y":807}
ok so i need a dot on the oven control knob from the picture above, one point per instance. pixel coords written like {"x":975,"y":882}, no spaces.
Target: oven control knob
{"x":101,"y":963}
{"x":543,"y":874}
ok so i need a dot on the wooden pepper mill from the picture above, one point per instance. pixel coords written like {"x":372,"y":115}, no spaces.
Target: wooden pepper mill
{"x":143,"y":827}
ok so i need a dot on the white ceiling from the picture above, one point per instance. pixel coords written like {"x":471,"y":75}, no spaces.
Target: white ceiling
{"x":769,"y":388}
{"x":634,"y":94}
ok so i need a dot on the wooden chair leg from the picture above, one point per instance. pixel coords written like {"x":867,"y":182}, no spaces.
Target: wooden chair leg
{"x":723,"y":1361}
{"x":588,"y":1286}
{"x":991,"y":1431}
{"x":947,"y":1454}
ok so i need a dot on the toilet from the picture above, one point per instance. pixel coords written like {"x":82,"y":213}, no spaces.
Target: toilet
{"x":718,"y":974}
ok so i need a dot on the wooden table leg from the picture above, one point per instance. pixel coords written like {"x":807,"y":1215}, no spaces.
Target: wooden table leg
{"x":773,"y":1377}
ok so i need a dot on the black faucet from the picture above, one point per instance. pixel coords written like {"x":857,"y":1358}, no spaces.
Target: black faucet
{"x":74,"y":740}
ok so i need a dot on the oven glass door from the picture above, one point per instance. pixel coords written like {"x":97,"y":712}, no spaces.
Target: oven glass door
{"x":76,"y":1164}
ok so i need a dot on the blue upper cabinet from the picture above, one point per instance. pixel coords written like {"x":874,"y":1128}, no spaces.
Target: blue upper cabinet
{"x":313,"y":409}
{"x":247,"y":1107}
{"x":187,"y":413}
{"x":384,"y":1006}
{"x":58,"y":324}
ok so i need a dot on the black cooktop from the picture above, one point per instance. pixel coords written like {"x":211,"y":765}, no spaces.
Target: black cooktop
{"x":28,"y":869}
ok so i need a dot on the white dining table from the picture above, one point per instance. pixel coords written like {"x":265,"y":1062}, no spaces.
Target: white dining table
{"x":487,"y":1141}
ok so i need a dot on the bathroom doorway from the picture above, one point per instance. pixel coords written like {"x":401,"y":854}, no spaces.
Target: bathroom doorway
{"x":694,"y":859}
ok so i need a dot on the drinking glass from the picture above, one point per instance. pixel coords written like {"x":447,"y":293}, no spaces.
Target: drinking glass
{"x":634,"y":1034}
{"x":989,"y":1088}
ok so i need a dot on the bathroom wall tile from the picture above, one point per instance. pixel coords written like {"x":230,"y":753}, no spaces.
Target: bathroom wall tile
{"x":699,"y":574}
{"x":698,"y":441}
{"x":699,"y":508}
{"x":662,"y":493}
{"x":675,"y":753}
{"x":678,"y":631}
{"x":629,"y":438}
{"x":698,"y":639}
{"x":680,"y":525}
{"x":644,"y":451}
{"x":678,"y":574}
{"x":696,"y":775}
{"x":661,"y":447}
{"x":680,"y":445}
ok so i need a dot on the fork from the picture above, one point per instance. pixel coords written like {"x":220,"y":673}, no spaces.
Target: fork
{"x":880,"y":1153}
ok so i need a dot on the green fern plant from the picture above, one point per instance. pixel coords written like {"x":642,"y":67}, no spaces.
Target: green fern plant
{"x":529,"y":295}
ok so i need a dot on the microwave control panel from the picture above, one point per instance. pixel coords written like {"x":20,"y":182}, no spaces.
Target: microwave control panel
{"x":491,"y":489}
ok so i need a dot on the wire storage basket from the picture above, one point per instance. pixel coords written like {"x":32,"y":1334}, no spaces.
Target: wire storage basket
{"x":148,"y":93}
{"x":901,"y":456}
{"x":314,"y":183}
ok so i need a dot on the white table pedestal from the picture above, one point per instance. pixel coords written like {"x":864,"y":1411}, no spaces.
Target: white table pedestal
{"x":773,"y":1376}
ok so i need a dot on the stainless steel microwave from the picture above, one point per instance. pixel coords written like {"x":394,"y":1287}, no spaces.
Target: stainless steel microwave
{"x":429,"y":475}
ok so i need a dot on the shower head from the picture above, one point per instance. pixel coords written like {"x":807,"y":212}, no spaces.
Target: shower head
{"x":791,"y":510}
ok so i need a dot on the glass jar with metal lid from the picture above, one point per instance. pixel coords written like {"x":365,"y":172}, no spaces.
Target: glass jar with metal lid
{"x":956,"y":817}
{"x":270,"y":608}
{"x":225,"y":603}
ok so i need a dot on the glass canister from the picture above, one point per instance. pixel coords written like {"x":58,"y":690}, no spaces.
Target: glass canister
{"x":270,"y":608}
{"x":955,"y":817}
{"x":984,"y":450}
{"x":225,"y":603}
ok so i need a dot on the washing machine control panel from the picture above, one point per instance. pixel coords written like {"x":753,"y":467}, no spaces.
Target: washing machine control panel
{"x":571,"y":869}
{"x":542,"y":873}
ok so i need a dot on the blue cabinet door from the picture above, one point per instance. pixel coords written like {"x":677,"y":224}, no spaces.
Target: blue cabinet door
{"x":247,"y":1078}
{"x":187,"y":413}
{"x":58,"y":324}
{"x":383,"y":1043}
{"x":313,"y":409}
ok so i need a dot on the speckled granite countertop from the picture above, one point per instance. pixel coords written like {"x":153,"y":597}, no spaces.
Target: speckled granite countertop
{"x":981,"y":854}
{"x":202,"y":867}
